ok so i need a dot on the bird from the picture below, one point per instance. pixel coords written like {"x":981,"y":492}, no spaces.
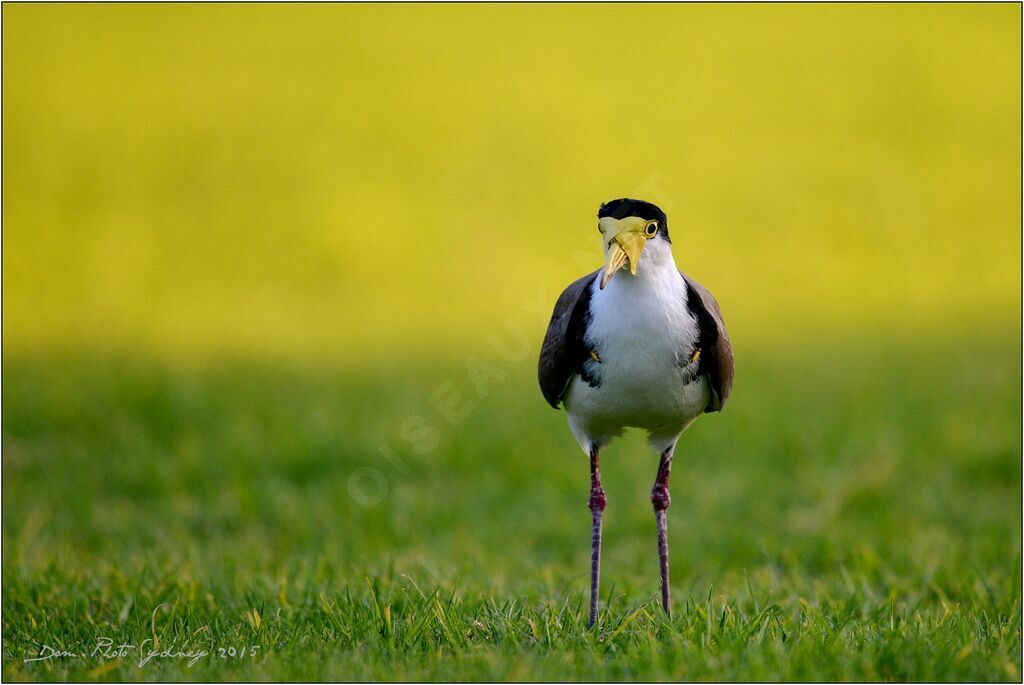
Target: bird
{"x":639,"y":344}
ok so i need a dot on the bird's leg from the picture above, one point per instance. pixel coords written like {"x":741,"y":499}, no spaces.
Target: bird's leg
{"x":660,"y":499}
{"x":597,"y":504}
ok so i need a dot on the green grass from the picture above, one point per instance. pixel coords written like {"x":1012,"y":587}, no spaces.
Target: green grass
{"x":854,"y":514}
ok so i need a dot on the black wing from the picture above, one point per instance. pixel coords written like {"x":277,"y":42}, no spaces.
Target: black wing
{"x":716,"y":350}
{"x":564,"y":351}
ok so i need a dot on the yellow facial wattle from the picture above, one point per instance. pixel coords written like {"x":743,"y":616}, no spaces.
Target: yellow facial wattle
{"x":624,"y":241}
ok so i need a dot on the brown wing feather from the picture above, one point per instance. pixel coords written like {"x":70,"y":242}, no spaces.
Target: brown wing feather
{"x":716,"y":350}
{"x":563,"y":351}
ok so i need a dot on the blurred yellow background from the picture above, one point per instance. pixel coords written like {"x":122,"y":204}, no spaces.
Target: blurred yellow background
{"x":348,"y":182}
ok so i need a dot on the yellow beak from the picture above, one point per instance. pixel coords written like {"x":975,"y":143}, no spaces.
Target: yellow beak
{"x":623,"y":242}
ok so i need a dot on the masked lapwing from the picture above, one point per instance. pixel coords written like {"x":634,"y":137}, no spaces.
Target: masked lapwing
{"x":637,"y":344}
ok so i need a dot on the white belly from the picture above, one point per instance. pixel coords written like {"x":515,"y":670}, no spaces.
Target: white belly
{"x":644,"y":335}
{"x":664,"y":407}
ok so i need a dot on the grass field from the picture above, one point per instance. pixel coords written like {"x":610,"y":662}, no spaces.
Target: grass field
{"x":274,"y":282}
{"x":855,"y":521}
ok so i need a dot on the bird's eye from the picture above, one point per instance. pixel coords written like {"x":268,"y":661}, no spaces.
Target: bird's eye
{"x":651,"y":229}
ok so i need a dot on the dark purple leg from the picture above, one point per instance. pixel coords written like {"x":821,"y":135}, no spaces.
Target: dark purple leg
{"x":597,"y":504}
{"x":661,"y":499}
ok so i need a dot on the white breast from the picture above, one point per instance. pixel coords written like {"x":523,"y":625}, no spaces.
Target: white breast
{"x":642,"y":330}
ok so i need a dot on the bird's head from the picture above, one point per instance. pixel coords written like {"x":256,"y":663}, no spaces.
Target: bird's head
{"x":628,"y":227}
